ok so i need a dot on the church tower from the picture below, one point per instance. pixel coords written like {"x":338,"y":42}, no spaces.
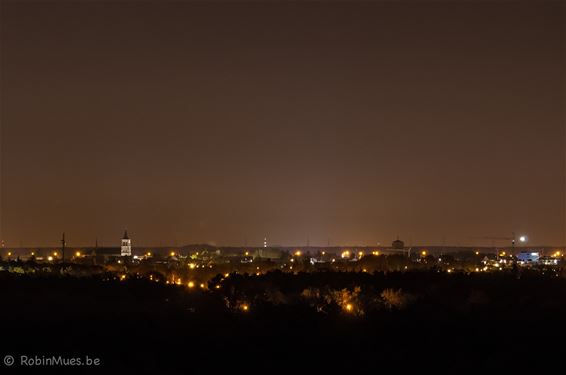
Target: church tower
{"x":126,"y":249}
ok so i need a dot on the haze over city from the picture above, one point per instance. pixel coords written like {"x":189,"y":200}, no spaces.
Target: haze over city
{"x":223,"y":123}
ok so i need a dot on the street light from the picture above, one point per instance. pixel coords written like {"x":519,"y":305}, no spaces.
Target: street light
{"x":523,"y":239}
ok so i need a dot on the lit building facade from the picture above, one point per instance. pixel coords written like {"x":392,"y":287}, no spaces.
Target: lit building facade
{"x":126,"y":248}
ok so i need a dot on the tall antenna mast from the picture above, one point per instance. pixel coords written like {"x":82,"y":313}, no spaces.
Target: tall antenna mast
{"x":63,"y":247}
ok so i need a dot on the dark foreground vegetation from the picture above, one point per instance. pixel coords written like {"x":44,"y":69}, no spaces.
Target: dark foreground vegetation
{"x":326,"y":322}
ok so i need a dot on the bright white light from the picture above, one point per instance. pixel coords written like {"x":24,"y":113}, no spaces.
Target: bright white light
{"x":523,"y":238}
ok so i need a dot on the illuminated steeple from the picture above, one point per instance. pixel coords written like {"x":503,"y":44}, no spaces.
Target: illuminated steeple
{"x":126,"y":249}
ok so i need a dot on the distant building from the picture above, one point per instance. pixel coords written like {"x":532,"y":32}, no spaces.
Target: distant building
{"x":398,"y":244}
{"x":126,"y":249}
{"x":549,"y":261}
{"x":268,"y":254}
{"x":528,"y":257}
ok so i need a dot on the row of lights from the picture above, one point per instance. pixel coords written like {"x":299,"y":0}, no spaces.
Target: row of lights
{"x":55,"y":254}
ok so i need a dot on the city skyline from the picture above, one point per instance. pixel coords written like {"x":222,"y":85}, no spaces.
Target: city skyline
{"x":213,"y":122}
{"x":519,"y":240}
{"x":317,"y":186}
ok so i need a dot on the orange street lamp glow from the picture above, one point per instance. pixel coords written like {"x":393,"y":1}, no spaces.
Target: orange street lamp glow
{"x":192,"y":284}
{"x":349,"y":307}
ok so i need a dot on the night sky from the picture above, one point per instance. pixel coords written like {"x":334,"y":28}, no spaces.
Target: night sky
{"x":217,"y":122}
